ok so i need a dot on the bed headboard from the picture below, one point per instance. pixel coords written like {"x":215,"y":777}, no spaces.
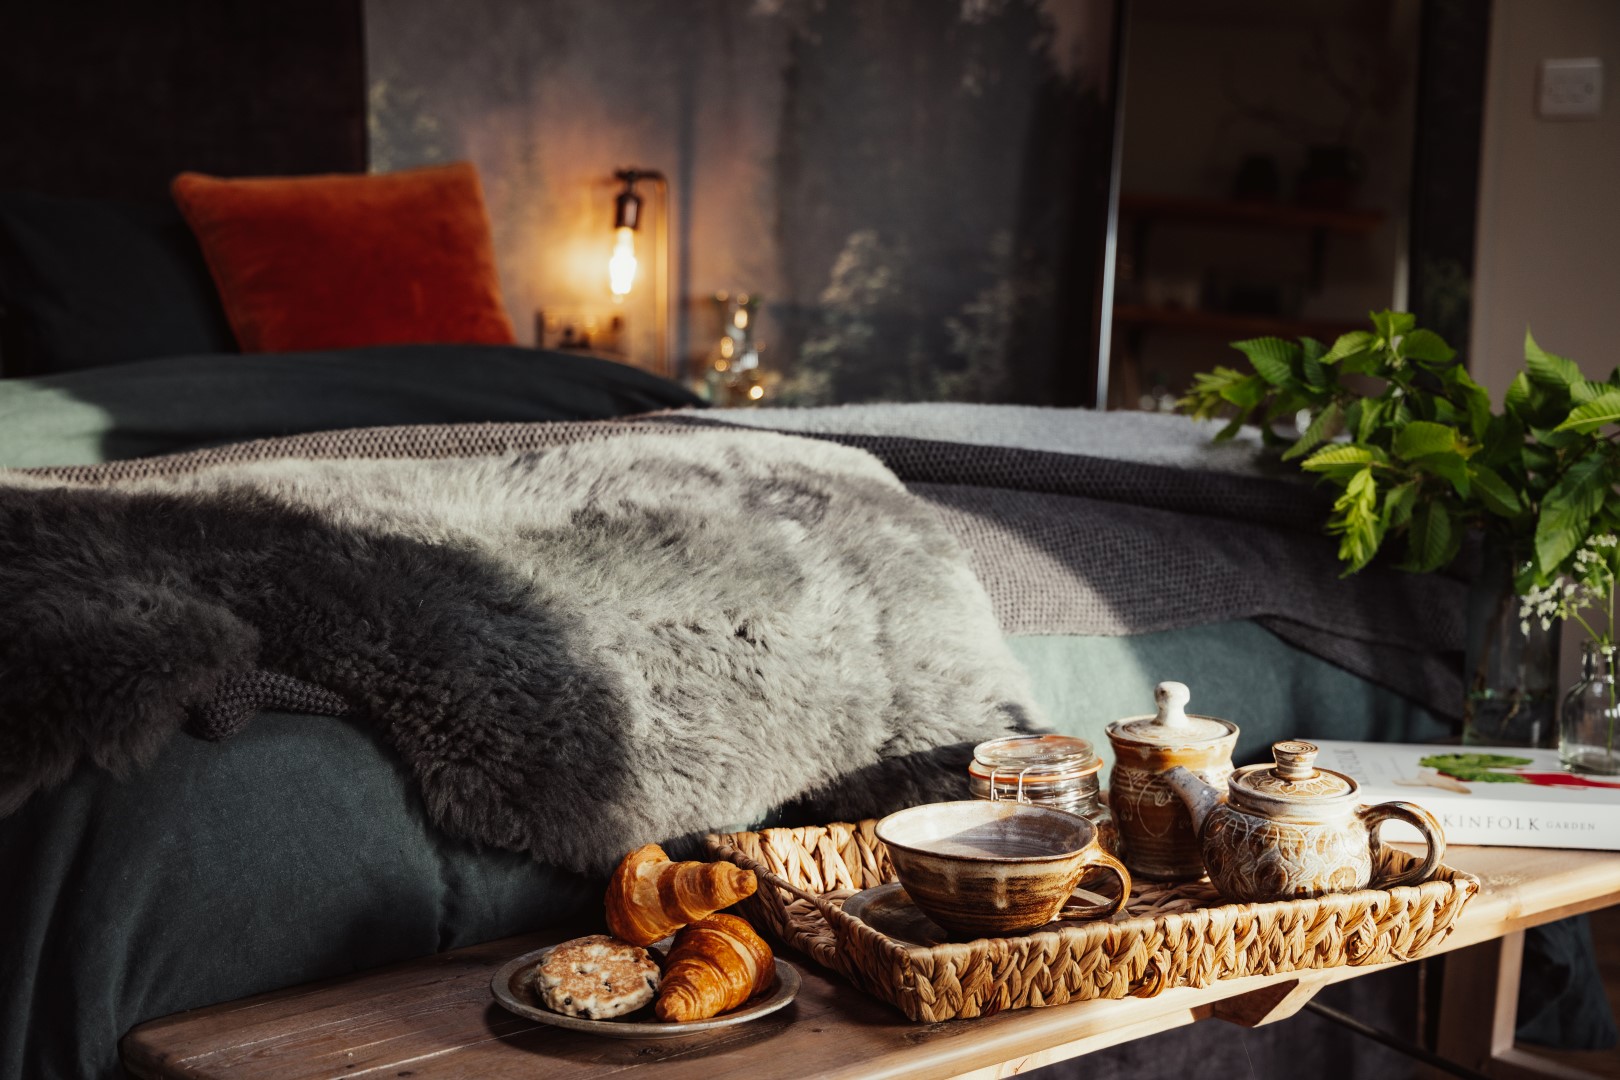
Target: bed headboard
{"x":111,"y":100}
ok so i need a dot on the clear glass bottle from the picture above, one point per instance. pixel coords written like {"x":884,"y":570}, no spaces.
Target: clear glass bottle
{"x":1052,"y":770}
{"x":1590,"y":731}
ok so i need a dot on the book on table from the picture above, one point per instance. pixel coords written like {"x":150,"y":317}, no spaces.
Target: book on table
{"x":1495,"y":796}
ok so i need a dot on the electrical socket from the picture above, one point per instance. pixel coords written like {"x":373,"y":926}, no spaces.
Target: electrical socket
{"x":1571,"y":88}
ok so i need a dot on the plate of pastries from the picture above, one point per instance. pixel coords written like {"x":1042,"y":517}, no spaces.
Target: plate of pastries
{"x":670,"y":965}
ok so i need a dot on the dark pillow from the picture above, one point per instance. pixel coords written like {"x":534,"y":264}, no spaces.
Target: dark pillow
{"x":85,"y":283}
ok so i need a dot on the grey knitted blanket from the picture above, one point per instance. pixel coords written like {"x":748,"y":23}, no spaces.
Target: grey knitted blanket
{"x":1076,"y":522}
{"x":574,"y":652}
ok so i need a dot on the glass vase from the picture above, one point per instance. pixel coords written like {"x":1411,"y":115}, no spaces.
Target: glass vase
{"x":1589,"y":739}
{"x":1512,"y":691}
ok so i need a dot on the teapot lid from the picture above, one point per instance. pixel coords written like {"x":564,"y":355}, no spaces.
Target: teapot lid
{"x":1291,"y":782}
{"x":1172,"y":724}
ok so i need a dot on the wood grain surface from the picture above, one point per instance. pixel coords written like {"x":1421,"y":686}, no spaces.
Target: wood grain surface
{"x":435,"y":1017}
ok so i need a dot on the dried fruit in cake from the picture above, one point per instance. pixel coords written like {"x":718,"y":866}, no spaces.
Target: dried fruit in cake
{"x":651,"y":897}
{"x":715,"y":965}
{"x":596,"y":978}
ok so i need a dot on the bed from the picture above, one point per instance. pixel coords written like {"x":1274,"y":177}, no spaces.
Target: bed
{"x":301,"y":847}
{"x":279,"y":842}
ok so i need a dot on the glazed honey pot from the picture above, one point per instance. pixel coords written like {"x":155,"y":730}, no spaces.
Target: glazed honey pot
{"x":1155,"y":827}
{"x":1289,"y":830}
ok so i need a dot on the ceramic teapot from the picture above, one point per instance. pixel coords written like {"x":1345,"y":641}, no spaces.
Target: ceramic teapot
{"x":1289,"y":830}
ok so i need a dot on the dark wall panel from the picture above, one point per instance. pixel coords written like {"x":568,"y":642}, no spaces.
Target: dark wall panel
{"x":112,"y":99}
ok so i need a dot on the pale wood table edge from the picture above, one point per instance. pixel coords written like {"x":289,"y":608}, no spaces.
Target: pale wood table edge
{"x":1520,"y":888}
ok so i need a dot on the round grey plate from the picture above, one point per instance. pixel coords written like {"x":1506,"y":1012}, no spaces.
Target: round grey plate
{"x":513,"y":986}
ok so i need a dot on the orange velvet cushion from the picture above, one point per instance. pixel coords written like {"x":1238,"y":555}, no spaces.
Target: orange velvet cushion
{"x":330,"y":262}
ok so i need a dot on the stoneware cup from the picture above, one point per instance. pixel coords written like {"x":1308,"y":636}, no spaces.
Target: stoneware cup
{"x":989,"y":869}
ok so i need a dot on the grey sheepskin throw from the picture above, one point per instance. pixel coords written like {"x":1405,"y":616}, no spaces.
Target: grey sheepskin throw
{"x":574,"y":651}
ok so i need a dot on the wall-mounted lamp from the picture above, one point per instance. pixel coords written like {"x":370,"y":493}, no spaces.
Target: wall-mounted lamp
{"x":626,"y":220}
{"x":622,"y":263}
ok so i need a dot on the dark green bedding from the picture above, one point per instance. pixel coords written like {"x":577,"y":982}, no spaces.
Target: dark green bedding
{"x":186,"y":402}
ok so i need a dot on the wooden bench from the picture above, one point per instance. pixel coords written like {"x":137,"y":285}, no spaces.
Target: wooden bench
{"x":435,"y":1017}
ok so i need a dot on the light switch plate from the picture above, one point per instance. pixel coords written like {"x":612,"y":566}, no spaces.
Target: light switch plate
{"x":1571,"y":88}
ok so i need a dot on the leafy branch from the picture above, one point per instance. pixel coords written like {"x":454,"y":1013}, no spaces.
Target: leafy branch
{"x":1391,"y":419}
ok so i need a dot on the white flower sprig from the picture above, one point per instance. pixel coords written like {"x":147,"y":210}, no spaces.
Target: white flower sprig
{"x":1592,"y":589}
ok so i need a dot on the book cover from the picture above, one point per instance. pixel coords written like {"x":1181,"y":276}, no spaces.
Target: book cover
{"x":1495,"y":796}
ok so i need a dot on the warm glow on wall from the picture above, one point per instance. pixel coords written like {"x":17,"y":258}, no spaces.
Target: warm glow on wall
{"x":622,"y":263}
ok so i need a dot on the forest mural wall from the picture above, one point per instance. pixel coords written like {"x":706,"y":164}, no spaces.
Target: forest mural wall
{"x":916,"y":189}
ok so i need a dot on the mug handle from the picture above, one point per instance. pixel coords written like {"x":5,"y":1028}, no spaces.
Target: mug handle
{"x":1421,"y":820}
{"x":1094,"y":855}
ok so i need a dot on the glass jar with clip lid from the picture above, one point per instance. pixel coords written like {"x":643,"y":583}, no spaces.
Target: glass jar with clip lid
{"x":1050,"y":770}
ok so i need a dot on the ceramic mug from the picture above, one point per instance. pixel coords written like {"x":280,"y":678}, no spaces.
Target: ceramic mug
{"x":993,"y":868}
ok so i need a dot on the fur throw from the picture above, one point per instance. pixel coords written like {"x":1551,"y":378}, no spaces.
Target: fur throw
{"x":574,"y":651}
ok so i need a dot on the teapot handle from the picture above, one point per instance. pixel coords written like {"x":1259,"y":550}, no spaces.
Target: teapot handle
{"x":1420,"y":819}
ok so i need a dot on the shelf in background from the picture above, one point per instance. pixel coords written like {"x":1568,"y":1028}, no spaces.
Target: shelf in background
{"x":1234,"y":326}
{"x":1249,"y":214}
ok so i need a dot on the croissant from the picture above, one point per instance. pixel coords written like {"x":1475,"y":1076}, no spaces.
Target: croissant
{"x":715,"y":965}
{"x":650,"y":897}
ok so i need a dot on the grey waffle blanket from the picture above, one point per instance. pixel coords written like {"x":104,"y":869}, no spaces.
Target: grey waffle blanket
{"x":1076,"y":522}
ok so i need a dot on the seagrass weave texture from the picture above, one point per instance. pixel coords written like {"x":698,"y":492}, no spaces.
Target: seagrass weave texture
{"x":1168,"y":936}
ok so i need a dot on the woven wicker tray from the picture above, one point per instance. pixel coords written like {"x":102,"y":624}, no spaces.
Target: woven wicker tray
{"x":1168,"y":935}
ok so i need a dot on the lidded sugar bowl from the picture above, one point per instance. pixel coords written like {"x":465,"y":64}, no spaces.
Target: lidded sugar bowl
{"x":1288,"y":830}
{"x":1154,"y":825}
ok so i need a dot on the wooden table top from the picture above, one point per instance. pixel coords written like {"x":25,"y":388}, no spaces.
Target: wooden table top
{"x":436,"y":1018}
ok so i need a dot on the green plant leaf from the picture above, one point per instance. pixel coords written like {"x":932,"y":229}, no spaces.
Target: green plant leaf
{"x":1478,"y":404}
{"x":1567,"y":510}
{"x":1596,"y":413}
{"x":1587,"y":390}
{"x":1326,"y":424}
{"x":1451,"y":467}
{"x":1207,"y":396}
{"x":1503,"y":443}
{"x":1372,"y":413}
{"x":1478,"y":767}
{"x":1352,"y":344}
{"x":1356,"y":520}
{"x":1495,"y":493}
{"x":1555,"y":439}
{"x":1398,"y":504}
{"x":1234,"y":425}
{"x":1540,"y":460}
{"x":1517,"y":398}
{"x":1247,"y":392}
{"x":1422,"y":438}
{"x":1316,"y":376}
{"x":1428,"y":346}
{"x":1340,"y":461}
{"x":1392,"y":324}
{"x":1547,"y":369}
{"x":1429,"y":538}
{"x":1272,"y":357}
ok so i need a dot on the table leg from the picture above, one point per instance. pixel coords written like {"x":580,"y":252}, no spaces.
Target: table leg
{"x":1479,"y":1003}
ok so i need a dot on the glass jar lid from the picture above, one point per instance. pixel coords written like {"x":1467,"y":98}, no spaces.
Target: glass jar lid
{"x":1292,"y":781}
{"x":1034,"y":759}
{"x":1172,"y":724}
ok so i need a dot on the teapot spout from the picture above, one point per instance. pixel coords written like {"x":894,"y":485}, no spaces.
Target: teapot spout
{"x":1199,"y":797}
